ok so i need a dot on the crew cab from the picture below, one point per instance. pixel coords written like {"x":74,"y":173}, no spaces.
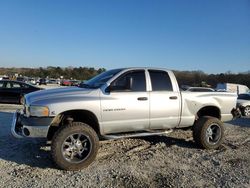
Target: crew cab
{"x":126,"y":102}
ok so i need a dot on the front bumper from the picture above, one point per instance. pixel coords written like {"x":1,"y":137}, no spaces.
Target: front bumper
{"x":30,"y":126}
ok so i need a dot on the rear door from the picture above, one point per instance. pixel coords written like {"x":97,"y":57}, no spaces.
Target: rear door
{"x":126,"y":107}
{"x":165,"y":103}
{"x":6,"y":92}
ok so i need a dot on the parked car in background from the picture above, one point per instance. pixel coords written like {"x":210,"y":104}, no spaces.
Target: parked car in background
{"x":4,"y":77}
{"x":231,"y":87}
{"x":200,"y":89}
{"x":42,"y":81}
{"x":52,"y":81}
{"x":31,"y":81}
{"x":243,"y":103}
{"x":14,"y":91}
{"x":75,"y":82}
{"x":66,"y":83}
{"x":20,"y":79}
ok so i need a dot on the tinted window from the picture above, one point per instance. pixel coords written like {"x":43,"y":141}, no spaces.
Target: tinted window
{"x":244,"y":96}
{"x":16,"y":85}
{"x":8,"y":85}
{"x":131,"y":81}
{"x":25,"y":86}
{"x":1,"y":84}
{"x":160,"y":81}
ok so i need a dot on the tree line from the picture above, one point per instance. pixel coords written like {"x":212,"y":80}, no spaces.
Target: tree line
{"x":201,"y":79}
{"x":191,"y":78}
{"x":78,"y":73}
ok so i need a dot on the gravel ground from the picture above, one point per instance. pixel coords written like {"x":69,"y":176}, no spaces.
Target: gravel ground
{"x":158,"y":161}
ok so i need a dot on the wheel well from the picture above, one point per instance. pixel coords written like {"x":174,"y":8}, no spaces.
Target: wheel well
{"x":209,"y":111}
{"x":74,"y":115}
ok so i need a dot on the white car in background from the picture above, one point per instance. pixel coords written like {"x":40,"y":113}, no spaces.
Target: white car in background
{"x":200,"y":89}
{"x":243,"y":102}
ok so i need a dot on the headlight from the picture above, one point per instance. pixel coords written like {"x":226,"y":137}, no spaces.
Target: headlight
{"x":38,"y":111}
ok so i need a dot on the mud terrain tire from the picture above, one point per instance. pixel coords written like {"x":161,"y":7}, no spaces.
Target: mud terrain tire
{"x":74,"y":146}
{"x":208,"y":132}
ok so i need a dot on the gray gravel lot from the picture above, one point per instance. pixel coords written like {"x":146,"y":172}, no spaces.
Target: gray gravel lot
{"x":158,"y":161}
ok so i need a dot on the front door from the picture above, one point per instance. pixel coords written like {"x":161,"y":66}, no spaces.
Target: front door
{"x":126,"y":107}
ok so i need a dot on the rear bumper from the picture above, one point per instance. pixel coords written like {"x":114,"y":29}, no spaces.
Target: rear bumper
{"x":29,"y":126}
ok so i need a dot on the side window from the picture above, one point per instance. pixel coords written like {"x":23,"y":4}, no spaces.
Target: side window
{"x":25,"y":86}
{"x":8,"y":85}
{"x":160,"y":81}
{"x":16,"y":85}
{"x":131,"y":81}
{"x":1,"y":84}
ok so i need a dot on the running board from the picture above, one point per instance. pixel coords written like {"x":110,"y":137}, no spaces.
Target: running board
{"x":132,"y":135}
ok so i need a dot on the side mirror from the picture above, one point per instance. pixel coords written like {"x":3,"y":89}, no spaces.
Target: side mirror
{"x":108,"y":89}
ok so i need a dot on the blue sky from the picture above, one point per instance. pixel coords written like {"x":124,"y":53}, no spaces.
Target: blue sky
{"x":209,"y":35}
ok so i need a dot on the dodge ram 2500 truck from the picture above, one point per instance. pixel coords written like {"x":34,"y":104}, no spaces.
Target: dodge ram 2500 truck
{"x":128,"y":102}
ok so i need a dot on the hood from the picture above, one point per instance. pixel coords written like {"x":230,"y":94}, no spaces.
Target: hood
{"x":55,"y":93}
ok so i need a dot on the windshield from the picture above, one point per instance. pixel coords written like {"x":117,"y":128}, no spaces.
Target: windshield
{"x":100,"y":79}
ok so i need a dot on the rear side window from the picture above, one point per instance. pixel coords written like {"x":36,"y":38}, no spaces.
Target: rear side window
{"x":1,"y":84}
{"x":160,"y":81}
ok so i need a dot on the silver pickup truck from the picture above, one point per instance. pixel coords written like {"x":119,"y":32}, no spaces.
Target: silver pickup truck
{"x":129,"y":102}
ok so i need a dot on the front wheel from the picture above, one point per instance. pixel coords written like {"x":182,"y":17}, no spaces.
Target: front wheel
{"x":74,"y":146}
{"x":208,"y":132}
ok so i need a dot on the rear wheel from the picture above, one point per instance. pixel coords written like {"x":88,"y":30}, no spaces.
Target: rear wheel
{"x":74,"y":146}
{"x":208,"y":132}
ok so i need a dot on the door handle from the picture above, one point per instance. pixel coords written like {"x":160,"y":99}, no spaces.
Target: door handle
{"x":142,"y":98}
{"x":173,"y":97}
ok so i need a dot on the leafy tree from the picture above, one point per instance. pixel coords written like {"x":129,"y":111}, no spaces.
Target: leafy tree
{"x":191,"y":78}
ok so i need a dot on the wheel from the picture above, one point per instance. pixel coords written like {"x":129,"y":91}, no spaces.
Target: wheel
{"x":208,"y":132}
{"x":246,"y":111}
{"x":21,"y":99}
{"x":74,"y":146}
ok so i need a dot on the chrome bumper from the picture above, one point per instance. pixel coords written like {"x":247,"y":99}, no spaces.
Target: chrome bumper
{"x":14,"y":128}
{"x":20,"y":130}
